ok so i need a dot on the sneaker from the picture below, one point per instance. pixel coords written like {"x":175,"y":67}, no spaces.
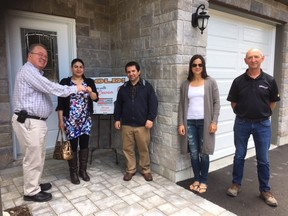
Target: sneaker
{"x":269,"y":198}
{"x":234,"y":190}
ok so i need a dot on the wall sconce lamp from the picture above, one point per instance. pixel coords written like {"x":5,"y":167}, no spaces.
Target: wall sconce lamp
{"x":200,"y":20}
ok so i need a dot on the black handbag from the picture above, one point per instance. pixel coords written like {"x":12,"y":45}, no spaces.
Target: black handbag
{"x":62,"y":150}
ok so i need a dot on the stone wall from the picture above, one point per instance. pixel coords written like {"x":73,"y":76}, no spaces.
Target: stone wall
{"x":158,"y":34}
{"x":6,"y":144}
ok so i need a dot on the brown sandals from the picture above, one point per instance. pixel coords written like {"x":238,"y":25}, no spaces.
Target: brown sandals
{"x":202,"y":188}
{"x":197,"y":187}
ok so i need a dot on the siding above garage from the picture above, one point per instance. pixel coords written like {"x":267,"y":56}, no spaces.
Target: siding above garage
{"x":269,"y":10}
{"x":283,"y":1}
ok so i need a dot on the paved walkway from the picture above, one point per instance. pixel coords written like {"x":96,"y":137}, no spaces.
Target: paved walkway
{"x":106,"y":194}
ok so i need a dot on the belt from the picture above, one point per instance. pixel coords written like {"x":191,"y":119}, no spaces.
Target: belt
{"x":33,"y":117}
{"x":254,"y":120}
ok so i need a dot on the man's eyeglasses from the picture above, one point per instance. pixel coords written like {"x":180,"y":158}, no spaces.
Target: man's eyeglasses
{"x":41,"y":55}
{"x":195,"y":65}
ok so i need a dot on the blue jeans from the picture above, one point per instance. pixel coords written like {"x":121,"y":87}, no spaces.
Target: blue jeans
{"x":261,"y":132}
{"x":199,"y":161}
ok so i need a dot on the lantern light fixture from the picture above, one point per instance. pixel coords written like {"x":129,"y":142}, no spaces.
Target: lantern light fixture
{"x":200,"y":20}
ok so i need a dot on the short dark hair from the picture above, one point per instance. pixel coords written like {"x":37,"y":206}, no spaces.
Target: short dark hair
{"x":132,"y":63}
{"x":204,"y":72}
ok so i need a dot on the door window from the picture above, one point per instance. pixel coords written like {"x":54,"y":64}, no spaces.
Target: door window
{"x":47,"y":38}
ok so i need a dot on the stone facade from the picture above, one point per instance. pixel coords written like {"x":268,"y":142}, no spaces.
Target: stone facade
{"x":152,"y":33}
{"x":156,"y":33}
{"x":6,"y":146}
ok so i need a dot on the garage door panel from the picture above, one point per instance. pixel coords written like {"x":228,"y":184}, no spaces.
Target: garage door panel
{"x":223,"y":86}
{"x":224,"y":127}
{"x":228,"y":43}
{"x":222,"y":28}
{"x":224,"y":146}
{"x":226,"y":114}
{"x":222,"y":73}
{"x":229,"y":38}
{"x":225,"y":141}
{"x":222,"y":59}
{"x":255,"y":35}
{"x":224,"y":103}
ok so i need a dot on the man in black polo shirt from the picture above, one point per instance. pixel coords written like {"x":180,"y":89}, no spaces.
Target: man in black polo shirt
{"x":253,"y":96}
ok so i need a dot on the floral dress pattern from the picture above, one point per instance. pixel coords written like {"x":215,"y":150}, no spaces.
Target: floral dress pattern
{"x":79,"y":121}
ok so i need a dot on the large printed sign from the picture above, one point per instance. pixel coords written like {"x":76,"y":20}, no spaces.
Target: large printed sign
{"x":107,"y":88}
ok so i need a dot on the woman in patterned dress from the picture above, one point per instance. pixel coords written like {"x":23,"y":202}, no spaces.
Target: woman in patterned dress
{"x":74,"y":115}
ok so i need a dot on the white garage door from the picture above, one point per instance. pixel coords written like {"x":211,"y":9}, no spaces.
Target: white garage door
{"x":229,"y":38}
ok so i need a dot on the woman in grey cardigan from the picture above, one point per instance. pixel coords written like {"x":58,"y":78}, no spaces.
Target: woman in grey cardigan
{"x":199,"y":109}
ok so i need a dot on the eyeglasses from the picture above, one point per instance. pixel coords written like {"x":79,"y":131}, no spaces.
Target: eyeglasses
{"x":41,"y":55}
{"x":195,"y":65}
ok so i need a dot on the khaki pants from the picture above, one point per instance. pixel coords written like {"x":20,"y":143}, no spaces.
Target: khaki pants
{"x":139,"y":137}
{"x":32,"y":136}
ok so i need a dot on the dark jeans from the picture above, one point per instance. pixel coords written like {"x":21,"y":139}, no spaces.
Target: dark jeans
{"x":199,"y":161}
{"x":261,"y":132}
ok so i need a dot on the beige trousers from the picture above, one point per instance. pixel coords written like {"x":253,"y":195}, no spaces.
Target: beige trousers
{"x":132,"y":138}
{"x":32,"y":137}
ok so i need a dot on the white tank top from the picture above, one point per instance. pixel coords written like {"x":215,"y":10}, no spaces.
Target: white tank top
{"x":196,"y":102}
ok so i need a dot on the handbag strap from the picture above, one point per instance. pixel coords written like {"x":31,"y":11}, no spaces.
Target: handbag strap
{"x":57,"y":138}
{"x":62,"y":136}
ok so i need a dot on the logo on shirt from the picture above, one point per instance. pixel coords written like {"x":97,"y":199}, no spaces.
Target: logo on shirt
{"x":264,"y":87}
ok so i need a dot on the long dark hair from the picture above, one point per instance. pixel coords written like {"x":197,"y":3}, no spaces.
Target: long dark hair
{"x":203,"y":73}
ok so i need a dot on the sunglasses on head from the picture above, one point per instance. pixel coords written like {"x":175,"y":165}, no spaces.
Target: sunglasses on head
{"x":195,"y":65}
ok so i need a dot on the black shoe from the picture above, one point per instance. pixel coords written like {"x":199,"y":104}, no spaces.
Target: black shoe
{"x":40,"y":197}
{"x":45,"y":186}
